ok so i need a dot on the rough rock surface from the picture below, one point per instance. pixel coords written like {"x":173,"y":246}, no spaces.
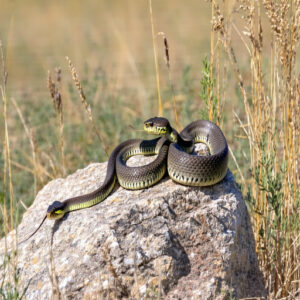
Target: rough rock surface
{"x":168,"y":241}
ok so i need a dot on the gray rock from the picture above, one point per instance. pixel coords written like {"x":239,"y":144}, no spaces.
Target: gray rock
{"x":168,"y":241}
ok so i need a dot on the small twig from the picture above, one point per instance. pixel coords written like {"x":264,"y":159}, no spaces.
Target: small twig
{"x":167,"y":57}
{"x":237,"y":165}
{"x":160,"y":110}
{"x":84,"y":103}
{"x":58,"y":107}
{"x":29,"y":136}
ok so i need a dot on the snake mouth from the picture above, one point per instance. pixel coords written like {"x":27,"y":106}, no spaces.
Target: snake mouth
{"x":56,"y":215}
{"x":56,"y":210}
{"x":157,"y":126}
{"x":155,"y":129}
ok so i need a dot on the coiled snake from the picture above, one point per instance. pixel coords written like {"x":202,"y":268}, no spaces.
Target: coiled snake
{"x":174,"y":154}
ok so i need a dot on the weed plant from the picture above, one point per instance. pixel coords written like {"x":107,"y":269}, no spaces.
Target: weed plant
{"x":272,"y":128}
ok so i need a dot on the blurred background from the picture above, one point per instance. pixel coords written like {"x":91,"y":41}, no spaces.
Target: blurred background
{"x":112,"y":35}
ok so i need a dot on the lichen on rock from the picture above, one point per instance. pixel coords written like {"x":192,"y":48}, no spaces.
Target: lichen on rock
{"x":168,"y":241}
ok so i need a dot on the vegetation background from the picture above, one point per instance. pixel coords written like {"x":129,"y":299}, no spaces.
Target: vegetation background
{"x":233,"y":62}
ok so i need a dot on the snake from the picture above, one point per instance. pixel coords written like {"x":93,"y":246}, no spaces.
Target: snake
{"x":175,"y":156}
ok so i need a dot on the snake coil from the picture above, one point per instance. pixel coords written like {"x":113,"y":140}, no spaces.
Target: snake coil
{"x":174,"y":155}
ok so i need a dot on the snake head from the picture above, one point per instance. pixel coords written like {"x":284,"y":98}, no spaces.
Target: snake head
{"x":158,"y":126}
{"x":56,"y":210}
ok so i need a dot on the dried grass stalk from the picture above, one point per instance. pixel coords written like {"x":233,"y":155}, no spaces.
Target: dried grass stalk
{"x":55,"y":93}
{"x":85,"y":103}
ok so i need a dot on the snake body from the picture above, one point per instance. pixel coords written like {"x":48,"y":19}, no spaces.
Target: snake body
{"x":174,"y":154}
{"x":195,"y":170}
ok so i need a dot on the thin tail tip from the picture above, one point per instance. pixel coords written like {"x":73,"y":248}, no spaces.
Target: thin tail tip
{"x":31,"y":235}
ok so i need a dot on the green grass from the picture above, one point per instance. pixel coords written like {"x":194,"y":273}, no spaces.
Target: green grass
{"x":9,"y":290}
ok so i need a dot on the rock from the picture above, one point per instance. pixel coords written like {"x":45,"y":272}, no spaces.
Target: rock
{"x":168,"y":241}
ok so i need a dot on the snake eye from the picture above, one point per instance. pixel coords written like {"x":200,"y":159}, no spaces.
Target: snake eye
{"x":149,"y":124}
{"x":54,"y":206}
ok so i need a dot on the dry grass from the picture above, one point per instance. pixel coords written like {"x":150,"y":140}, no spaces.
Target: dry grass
{"x":168,"y":64}
{"x":54,"y":88}
{"x":159,"y":104}
{"x":272,"y":127}
{"x":7,"y":211}
{"x":85,"y":104}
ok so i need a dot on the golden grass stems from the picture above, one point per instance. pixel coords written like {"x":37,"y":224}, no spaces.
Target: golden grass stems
{"x":8,"y":216}
{"x":56,"y":96}
{"x":85,"y":103}
{"x":218,"y":24}
{"x":237,"y":165}
{"x":167,"y":57}
{"x":272,"y":129}
{"x":160,"y":108}
{"x":211,"y":65}
{"x":3,"y":84}
{"x":218,"y":92}
{"x":7,"y":155}
{"x":29,"y":136}
{"x":39,"y":172}
{"x":42,"y":170}
{"x":213,"y":93}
